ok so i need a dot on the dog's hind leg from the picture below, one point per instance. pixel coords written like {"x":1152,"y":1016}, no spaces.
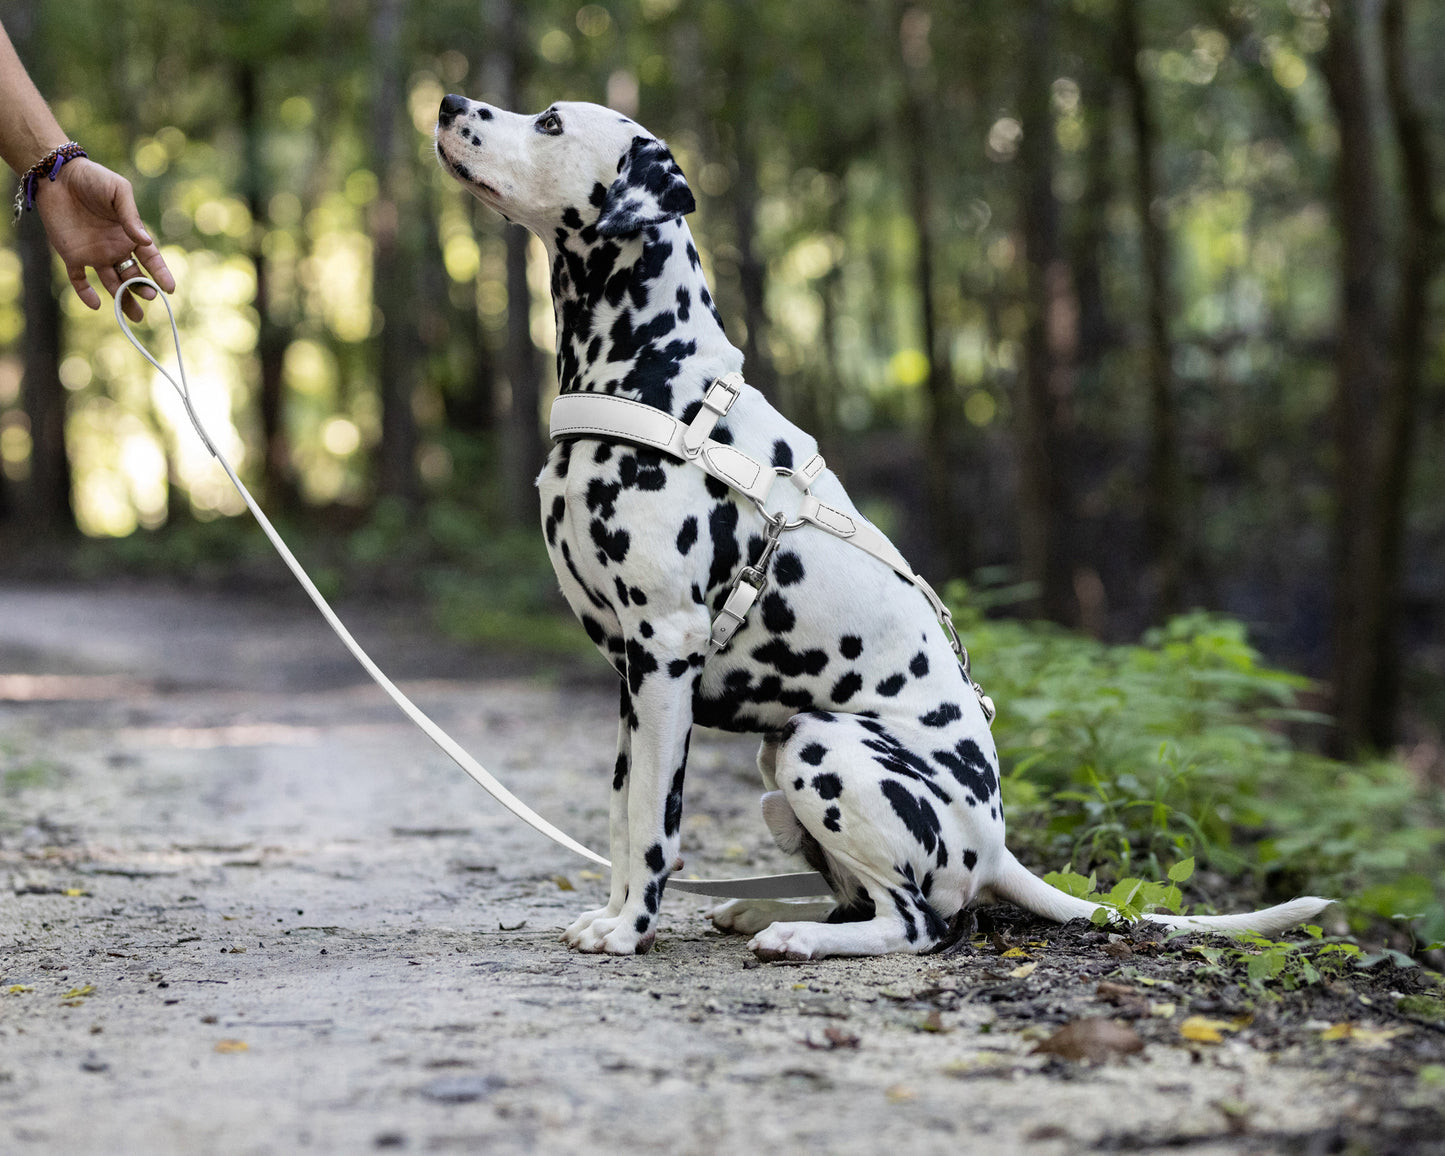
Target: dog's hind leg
{"x":616,"y":827}
{"x":872,"y":817}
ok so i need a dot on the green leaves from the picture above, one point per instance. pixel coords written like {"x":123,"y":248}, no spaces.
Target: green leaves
{"x":1128,"y":899}
{"x":1122,"y":760}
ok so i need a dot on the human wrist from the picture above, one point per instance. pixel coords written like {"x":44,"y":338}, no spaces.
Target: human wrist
{"x":45,"y":171}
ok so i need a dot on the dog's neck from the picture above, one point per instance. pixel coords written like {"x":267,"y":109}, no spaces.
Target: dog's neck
{"x":635,"y":316}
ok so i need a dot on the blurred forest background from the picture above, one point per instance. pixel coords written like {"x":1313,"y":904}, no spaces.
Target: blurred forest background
{"x":1111,"y":309}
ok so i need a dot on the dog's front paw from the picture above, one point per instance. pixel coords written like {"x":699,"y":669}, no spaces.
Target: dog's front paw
{"x":612,"y":935}
{"x":785,"y":941}
{"x":579,"y":926}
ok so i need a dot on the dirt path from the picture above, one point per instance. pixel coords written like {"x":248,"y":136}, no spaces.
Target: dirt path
{"x":248,"y":909}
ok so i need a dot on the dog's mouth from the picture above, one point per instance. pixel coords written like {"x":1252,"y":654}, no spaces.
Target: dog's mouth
{"x":463,"y":173}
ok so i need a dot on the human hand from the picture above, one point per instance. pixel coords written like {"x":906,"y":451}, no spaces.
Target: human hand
{"x":91,"y":219}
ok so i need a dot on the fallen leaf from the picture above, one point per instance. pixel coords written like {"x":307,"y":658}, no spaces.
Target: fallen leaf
{"x":78,"y":992}
{"x":1016,"y":953}
{"x":1162,"y":1010}
{"x":1203,"y":1030}
{"x":1366,"y":1037}
{"x":19,"y":988}
{"x":1115,"y":991}
{"x":1023,"y":971}
{"x":228,"y":1047}
{"x":589,"y":876}
{"x":1118,"y":949}
{"x":74,"y":892}
{"x":900,"y":1093}
{"x":1092,"y":1039}
{"x":563,"y":883}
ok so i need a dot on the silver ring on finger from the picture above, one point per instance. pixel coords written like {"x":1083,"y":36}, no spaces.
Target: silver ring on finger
{"x":126,"y":265}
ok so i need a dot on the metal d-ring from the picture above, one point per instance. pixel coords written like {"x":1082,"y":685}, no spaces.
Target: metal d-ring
{"x":780,"y":518}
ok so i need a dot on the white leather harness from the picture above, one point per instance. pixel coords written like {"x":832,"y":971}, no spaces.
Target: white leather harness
{"x":599,"y":415}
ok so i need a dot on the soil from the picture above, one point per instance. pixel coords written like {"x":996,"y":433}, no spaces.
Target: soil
{"x":248,"y":908}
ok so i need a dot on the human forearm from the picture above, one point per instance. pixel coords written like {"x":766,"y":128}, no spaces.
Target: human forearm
{"x":28,"y":129}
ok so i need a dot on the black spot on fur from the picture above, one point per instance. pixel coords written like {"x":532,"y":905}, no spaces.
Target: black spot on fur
{"x":850,"y":646}
{"x":831,"y":817}
{"x":968,"y":764}
{"x":782,"y":455}
{"x":813,"y":754}
{"x":687,"y":536}
{"x":619,"y":772}
{"x":918,"y":816}
{"x":787,"y":569}
{"x":791,"y":663}
{"x":970,"y":859}
{"x":640,"y":663}
{"x":828,"y":785}
{"x":672,"y":814}
{"x":594,"y":629}
{"x":777,"y":614}
{"x":654,"y":858}
{"x":722,"y":524}
{"x":919,"y":665}
{"x":891,"y":685}
{"x":611,"y":544}
{"x":946,"y":713}
{"x":678,"y":667}
{"x":846,"y":687}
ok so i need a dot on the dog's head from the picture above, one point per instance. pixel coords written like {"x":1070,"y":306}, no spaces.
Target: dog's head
{"x":574,"y":164}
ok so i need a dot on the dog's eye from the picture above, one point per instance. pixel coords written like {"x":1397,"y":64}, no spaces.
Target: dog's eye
{"x":550,"y":123}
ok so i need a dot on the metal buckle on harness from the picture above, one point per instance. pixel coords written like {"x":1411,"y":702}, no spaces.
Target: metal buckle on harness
{"x":746,"y":588}
{"x":713,"y":409}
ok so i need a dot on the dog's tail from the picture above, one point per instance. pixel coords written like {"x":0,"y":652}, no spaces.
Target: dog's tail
{"x":1019,"y":885}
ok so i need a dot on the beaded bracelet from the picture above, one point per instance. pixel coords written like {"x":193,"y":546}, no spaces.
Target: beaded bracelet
{"x":48,"y":166}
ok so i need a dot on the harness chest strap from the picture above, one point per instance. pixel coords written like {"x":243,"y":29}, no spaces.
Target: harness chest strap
{"x":604,"y":415}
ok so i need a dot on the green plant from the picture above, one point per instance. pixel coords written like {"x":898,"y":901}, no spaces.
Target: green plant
{"x":1128,"y":899}
{"x":1118,"y":760}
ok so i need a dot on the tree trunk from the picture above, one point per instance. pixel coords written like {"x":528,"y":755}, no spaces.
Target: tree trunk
{"x":1360,"y":369}
{"x":45,"y":498}
{"x":1399,"y":415}
{"x":752,"y":274}
{"x":392,"y":282}
{"x":519,"y":406}
{"x":47,"y":503}
{"x":1051,"y":340}
{"x":278,"y":478}
{"x":1164,"y":515}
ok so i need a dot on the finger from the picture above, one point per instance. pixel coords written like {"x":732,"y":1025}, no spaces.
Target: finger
{"x":145,"y":247}
{"x":83,"y":288}
{"x":155,"y":265}
{"x":112,"y":282}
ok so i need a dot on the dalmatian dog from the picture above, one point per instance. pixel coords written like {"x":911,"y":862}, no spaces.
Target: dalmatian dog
{"x":876,"y":758}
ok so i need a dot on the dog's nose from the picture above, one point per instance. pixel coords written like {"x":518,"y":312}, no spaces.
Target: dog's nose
{"x":452,"y":107}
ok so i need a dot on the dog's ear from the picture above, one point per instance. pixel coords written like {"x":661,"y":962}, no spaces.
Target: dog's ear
{"x":649,"y":189}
